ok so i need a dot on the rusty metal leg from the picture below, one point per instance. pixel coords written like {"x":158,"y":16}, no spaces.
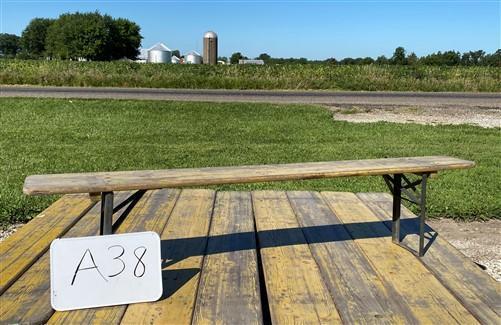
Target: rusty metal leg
{"x":397,"y":201}
{"x":106,"y":213}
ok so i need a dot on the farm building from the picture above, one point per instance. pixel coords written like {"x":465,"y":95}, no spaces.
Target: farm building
{"x":175,"y":60}
{"x":159,"y":53}
{"x":193,"y":57}
{"x":210,"y":48}
{"x":256,"y":62}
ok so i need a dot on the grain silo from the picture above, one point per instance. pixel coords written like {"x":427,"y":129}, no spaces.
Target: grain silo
{"x":159,"y":53}
{"x":175,"y":60}
{"x":193,"y":57}
{"x":210,"y":48}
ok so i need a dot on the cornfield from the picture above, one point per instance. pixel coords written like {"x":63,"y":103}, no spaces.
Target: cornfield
{"x":287,"y":76}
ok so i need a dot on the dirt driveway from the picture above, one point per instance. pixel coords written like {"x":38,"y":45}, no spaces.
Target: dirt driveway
{"x":479,"y":116}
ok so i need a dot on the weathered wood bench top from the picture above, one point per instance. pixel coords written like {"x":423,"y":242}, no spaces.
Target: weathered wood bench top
{"x":155,"y":179}
{"x":260,"y":257}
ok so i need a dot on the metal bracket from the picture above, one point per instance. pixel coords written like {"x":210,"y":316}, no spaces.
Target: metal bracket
{"x":412,"y":191}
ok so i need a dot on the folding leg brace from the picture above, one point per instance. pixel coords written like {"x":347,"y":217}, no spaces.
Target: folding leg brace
{"x":404,"y":189}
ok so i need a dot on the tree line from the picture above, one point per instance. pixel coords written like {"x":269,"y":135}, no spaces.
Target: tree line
{"x":75,"y":36}
{"x":399,"y":57}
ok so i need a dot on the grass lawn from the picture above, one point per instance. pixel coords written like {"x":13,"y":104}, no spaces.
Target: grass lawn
{"x":50,"y":136}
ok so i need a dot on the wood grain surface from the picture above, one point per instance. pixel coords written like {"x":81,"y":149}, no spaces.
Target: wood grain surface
{"x":184,"y":241}
{"x":294,"y":285}
{"x":229,"y":286}
{"x":25,"y":246}
{"x":154,"y":179}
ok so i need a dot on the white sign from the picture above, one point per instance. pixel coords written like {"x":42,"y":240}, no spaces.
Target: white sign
{"x":105,"y":270}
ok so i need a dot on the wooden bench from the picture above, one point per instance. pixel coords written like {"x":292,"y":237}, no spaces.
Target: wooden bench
{"x":392,"y":169}
{"x":260,"y":257}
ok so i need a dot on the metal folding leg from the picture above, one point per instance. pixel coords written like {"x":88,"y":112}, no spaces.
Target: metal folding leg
{"x":422,"y":213}
{"x":403,"y":189}
{"x":397,"y":201}
{"x":106,"y":213}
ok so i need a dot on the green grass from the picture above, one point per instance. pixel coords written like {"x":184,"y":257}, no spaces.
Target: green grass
{"x":49,"y":136}
{"x":286,"y":76}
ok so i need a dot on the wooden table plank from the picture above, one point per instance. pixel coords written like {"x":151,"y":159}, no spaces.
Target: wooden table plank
{"x":229,"y":286}
{"x":428,"y":299}
{"x":294,"y":285}
{"x":152,"y":179}
{"x":184,"y":242}
{"x":28,"y":299}
{"x":359,"y":293}
{"x":25,"y":246}
{"x":149,"y":214}
{"x":478,"y":291}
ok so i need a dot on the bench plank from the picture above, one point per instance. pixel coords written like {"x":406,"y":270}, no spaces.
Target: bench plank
{"x":478,"y":291}
{"x":149,"y":214}
{"x":295,"y":288}
{"x":153,"y":179}
{"x":184,"y":242}
{"x":229,"y":286}
{"x":23,"y":248}
{"x":28,"y":299}
{"x":360,"y":295}
{"x":418,"y":288}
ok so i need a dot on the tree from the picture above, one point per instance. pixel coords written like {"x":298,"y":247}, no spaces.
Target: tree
{"x":412,"y":59}
{"x":125,"y":38}
{"x":348,"y":61}
{"x":78,"y":35}
{"x":450,"y":58}
{"x":9,"y":45}
{"x":176,"y":53}
{"x":493,"y":60}
{"x":399,"y":56}
{"x":235,"y":57}
{"x":93,"y":37}
{"x":33,"y":37}
{"x":366,"y":61}
{"x":265,"y":57}
{"x":477,"y":57}
{"x":382,"y":60}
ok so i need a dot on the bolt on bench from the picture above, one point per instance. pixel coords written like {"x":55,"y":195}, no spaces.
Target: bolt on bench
{"x":393,"y":171}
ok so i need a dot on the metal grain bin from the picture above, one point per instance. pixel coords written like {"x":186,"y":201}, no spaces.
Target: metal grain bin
{"x":159,"y":54}
{"x":210,"y":48}
{"x":175,"y":60}
{"x":193,"y":57}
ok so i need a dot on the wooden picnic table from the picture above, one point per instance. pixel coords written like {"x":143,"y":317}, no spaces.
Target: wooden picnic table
{"x":258,"y":257}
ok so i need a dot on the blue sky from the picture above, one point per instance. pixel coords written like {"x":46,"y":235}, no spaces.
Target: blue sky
{"x":313,"y":29}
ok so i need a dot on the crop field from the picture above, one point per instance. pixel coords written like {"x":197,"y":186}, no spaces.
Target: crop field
{"x":286,"y":76}
{"x":41,"y":136}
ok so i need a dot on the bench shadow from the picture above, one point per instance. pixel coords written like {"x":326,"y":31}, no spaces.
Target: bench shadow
{"x":173,"y":280}
{"x":175,"y":250}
